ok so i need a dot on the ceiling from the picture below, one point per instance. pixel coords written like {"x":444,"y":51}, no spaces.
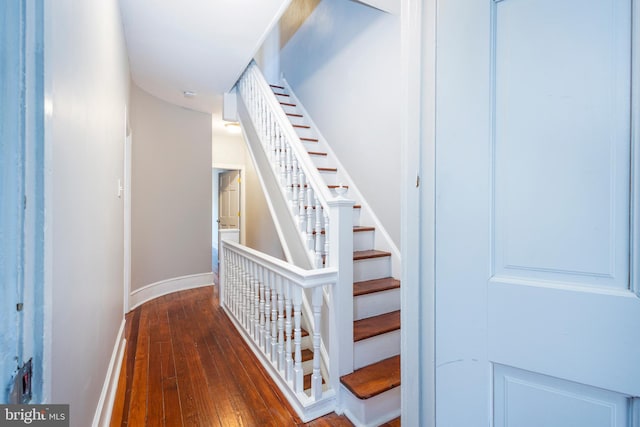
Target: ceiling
{"x":200,"y":46}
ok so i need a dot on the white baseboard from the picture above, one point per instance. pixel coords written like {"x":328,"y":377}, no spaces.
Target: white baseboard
{"x":164,"y":287}
{"x":102,"y":417}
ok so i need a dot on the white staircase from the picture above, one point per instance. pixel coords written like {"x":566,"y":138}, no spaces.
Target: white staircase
{"x":363,"y":366}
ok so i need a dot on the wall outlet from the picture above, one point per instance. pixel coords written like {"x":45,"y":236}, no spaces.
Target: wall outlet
{"x":21,"y":390}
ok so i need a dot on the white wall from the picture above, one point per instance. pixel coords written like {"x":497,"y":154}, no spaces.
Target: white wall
{"x":171,"y":190}
{"x":86,"y":89}
{"x":344,"y":65}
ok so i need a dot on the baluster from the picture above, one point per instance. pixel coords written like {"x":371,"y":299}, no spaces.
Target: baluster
{"x":289,"y":172}
{"x":318,"y":237}
{"x":327,"y":226}
{"x":271,"y":153}
{"x":268,"y":133}
{"x":283,"y":159}
{"x":256,"y":305}
{"x":309,"y":217}
{"x":288,"y":326}
{"x":243,"y":294}
{"x":261,"y":309}
{"x":247,"y":295}
{"x":274,"y":318}
{"x":294,"y":184}
{"x":280,"y":325}
{"x":302,"y":214}
{"x":297,"y":340}
{"x":276,"y":152}
{"x":237,"y":285}
{"x":229,"y":274}
{"x":267,"y":312}
{"x":250,"y":298}
{"x":316,"y":376}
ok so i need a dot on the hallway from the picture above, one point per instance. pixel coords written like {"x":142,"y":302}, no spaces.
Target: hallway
{"x":185,"y":365}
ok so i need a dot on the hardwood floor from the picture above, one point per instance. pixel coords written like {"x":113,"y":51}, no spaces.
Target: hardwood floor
{"x":185,"y":365}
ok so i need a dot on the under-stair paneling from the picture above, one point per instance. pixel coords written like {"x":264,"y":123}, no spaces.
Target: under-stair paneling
{"x":333,"y":64}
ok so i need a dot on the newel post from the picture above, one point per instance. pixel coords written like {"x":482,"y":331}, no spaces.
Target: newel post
{"x":341,"y":258}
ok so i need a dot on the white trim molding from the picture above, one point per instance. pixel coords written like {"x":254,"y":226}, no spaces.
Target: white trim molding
{"x":102,"y":416}
{"x":164,"y":287}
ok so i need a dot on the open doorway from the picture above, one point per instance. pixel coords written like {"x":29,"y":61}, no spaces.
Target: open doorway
{"x":227,"y":217}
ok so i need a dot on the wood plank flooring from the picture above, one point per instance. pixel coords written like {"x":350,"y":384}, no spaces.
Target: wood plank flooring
{"x":185,"y":365}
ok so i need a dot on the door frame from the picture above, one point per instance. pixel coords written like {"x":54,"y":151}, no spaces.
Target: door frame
{"x":418,"y":58}
{"x":126,"y":189}
{"x":214,"y":215}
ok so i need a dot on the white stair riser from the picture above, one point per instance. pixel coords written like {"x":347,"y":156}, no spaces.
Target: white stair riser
{"x":304,"y":132}
{"x":376,"y":303}
{"x":356,"y":216}
{"x":374,"y":411}
{"x":288,"y":108}
{"x":331,"y":178}
{"x":363,"y":240}
{"x":311,"y":146}
{"x":372,"y":268}
{"x":321,"y":161}
{"x":375,"y":349}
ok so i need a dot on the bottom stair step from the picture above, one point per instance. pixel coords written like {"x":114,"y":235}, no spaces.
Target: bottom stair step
{"x":374,"y":379}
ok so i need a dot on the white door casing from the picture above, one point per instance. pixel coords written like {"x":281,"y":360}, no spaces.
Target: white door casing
{"x":537,"y":306}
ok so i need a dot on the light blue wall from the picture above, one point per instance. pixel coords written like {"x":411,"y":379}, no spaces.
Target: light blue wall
{"x":344,"y":65}
{"x":11,"y":186}
{"x":21,"y":230}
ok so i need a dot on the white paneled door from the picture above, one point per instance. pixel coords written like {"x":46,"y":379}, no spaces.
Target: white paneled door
{"x":537,"y":212}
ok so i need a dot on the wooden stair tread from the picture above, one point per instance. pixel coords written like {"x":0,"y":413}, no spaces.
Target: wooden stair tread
{"x":328,"y":169}
{"x":277,"y":87}
{"x":376,"y":325}
{"x":280,"y":94}
{"x":306,"y":355}
{"x":360,"y":228}
{"x":374,"y":379}
{"x":294,"y":115}
{"x":316,"y":153}
{"x":376,"y":285}
{"x":288,"y":104}
{"x":357,"y":206}
{"x":359,"y":255}
{"x":302,"y":126}
{"x":309,"y":139}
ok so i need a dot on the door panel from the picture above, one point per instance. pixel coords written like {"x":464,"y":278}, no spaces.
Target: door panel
{"x":536,"y":314}
{"x":526,"y":399}
{"x":229,"y":207}
{"x":561,"y":142}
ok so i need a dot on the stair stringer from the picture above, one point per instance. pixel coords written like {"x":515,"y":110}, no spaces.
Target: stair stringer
{"x":367,"y":215}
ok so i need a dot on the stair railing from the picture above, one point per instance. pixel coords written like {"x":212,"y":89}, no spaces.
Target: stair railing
{"x":323,"y":219}
{"x":263,"y":297}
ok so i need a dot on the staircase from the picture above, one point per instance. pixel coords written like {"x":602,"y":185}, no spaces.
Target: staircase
{"x":371,"y":393}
